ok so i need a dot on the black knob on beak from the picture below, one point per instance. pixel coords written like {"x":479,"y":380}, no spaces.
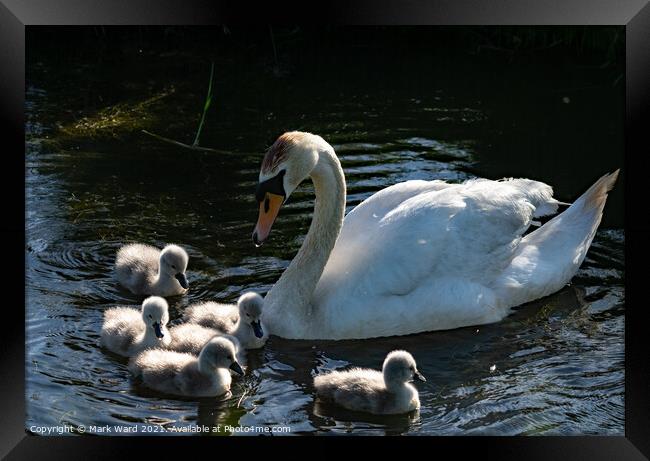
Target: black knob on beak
{"x":257,"y":329}
{"x":256,"y":240}
{"x":158,"y":330}
{"x":237,"y":368}
{"x":182,"y":280}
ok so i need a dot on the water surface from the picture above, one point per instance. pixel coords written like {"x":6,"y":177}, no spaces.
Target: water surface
{"x":556,"y":366}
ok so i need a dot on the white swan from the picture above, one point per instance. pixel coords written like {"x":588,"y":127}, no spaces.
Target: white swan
{"x":145,"y":270}
{"x":185,"y":374}
{"x":419,"y":255}
{"x":127,"y":331}
{"x":382,"y":393}
{"x":241,"y":321}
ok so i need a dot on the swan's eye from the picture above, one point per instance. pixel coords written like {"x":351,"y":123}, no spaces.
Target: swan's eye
{"x":150,"y":316}
{"x":173,"y":267}
{"x":267,"y":204}
{"x":248,"y":315}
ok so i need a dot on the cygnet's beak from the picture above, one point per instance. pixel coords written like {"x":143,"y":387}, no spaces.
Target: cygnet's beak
{"x":257,"y":329}
{"x":417,"y":375}
{"x":158,"y":330}
{"x":237,"y":368}
{"x":182,"y":280}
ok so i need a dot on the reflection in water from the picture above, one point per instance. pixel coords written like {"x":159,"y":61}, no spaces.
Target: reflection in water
{"x":341,"y":421}
{"x":553,"y":367}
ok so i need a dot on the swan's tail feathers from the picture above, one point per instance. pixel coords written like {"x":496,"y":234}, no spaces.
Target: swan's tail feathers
{"x":596,"y":195}
{"x":550,"y":256}
{"x":584,"y":215}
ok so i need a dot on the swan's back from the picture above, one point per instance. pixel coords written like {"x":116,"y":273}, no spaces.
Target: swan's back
{"x":355,"y":389}
{"x":178,"y":374}
{"x":383,"y":201}
{"x":470,"y":227}
{"x":218,"y":316}
{"x":190,"y":337}
{"x":136,"y":267}
{"x":121,"y":328}
{"x":162,"y":370}
{"x":159,"y":364}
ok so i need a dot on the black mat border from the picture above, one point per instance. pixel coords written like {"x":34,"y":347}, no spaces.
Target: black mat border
{"x":635,"y":14}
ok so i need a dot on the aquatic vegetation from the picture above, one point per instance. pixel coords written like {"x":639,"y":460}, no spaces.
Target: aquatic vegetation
{"x":119,"y":119}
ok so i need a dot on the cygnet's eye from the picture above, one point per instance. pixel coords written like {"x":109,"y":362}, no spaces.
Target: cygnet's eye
{"x":150,"y":316}
{"x":173,"y":267}
{"x":248,"y":315}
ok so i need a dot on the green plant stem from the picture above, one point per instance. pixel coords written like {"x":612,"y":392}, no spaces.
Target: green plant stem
{"x":206,"y":106}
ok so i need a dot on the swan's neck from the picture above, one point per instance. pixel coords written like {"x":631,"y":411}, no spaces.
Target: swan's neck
{"x":239,"y":329}
{"x":163,"y":283}
{"x":290,"y":299}
{"x":205,"y":367}
{"x":395,"y":385}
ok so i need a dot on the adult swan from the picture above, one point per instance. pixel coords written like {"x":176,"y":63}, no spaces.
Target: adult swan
{"x":419,"y":255}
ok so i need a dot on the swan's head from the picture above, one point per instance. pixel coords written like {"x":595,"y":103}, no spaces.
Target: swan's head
{"x":290,"y":160}
{"x":173,"y":263}
{"x":219,"y":352}
{"x":250,"y":311}
{"x":399,"y":368}
{"x":155,"y":315}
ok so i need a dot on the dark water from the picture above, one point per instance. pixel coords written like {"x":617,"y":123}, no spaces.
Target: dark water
{"x":556,"y":366}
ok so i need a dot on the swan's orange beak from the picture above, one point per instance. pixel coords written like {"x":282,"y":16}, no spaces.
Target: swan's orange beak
{"x":269,"y":209}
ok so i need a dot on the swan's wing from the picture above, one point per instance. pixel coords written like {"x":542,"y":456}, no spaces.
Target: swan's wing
{"x":191,"y":382}
{"x":121,"y":327}
{"x":160,"y":368}
{"x":382,"y":202}
{"x":210,"y":314}
{"x":139,"y":254}
{"x":136,"y":266}
{"x":452,"y":230}
{"x":455,"y":240}
{"x":126,"y":315}
{"x":357,"y":237}
{"x":356,"y":389}
{"x":190,"y":337}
